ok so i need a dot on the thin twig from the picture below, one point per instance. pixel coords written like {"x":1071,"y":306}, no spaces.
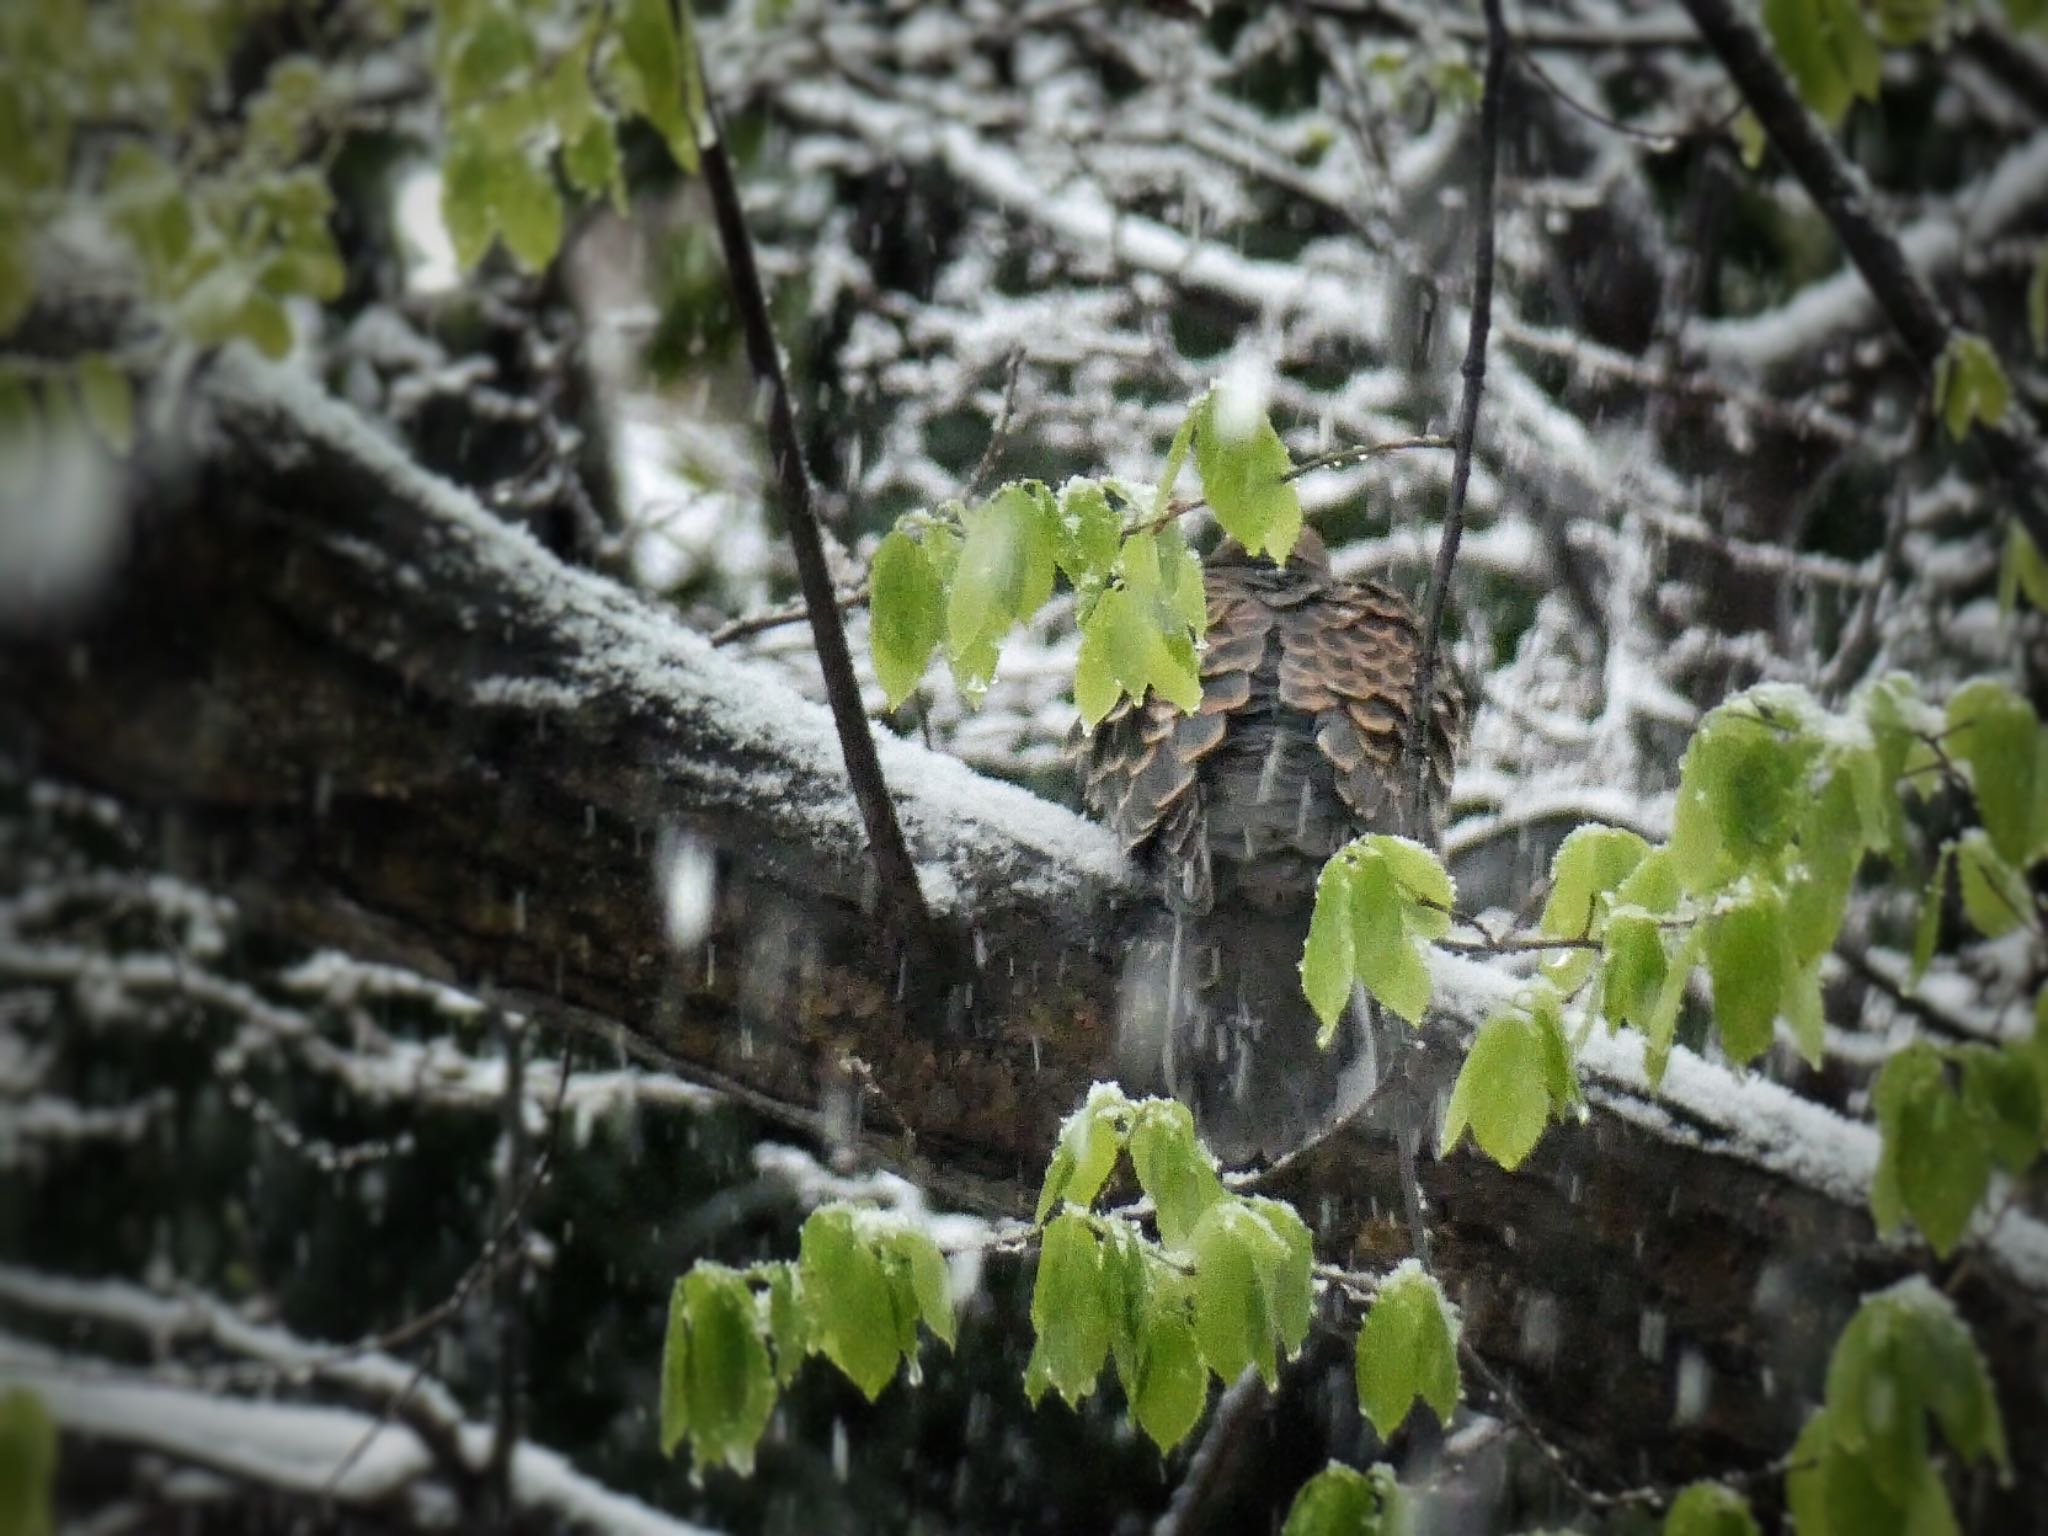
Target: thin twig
{"x":485,"y":1263}
{"x":896,"y":874}
{"x":1360,"y":452}
{"x":1474,"y":371}
{"x":1841,"y":196}
{"x":774,"y":618}
{"x":999,"y":434}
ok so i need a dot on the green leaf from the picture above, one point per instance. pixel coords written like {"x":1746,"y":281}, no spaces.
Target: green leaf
{"x":28,"y":1465}
{"x":1095,"y":686}
{"x":1136,"y":653}
{"x":467,"y":208}
{"x":1996,"y":899}
{"x":1088,"y":533}
{"x":1328,"y":958}
{"x":2022,"y":570}
{"x":1388,"y":964}
{"x":1927,"y":927}
{"x":726,"y":1373}
{"x":1933,"y":1163}
{"x":1710,"y":1509}
{"x":1071,"y":1309}
{"x":528,"y":209}
{"x":2002,"y":1094}
{"x":1993,"y":730}
{"x":1173,"y":1385}
{"x":1746,"y":961}
{"x":853,"y":1312}
{"x":1855,"y":50}
{"x":1338,"y":1501}
{"x":1906,"y":1356}
{"x":660,"y":64}
{"x":1660,"y":1029}
{"x":1090,"y":1139}
{"x":1801,"y":1004}
{"x":1589,"y":864}
{"x":1969,"y":385}
{"x":1831,"y":843}
{"x":1236,"y":1252}
{"x":109,"y":402}
{"x":924,"y":1267}
{"x":1798,"y":31}
{"x":1289,"y":1280}
{"x":1635,"y":967}
{"x":1173,"y":1168}
{"x":1244,"y":480}
{"x":1407,"y":1349}
{"x":1176,"y":456}
{"x":590,"y":159}
{"x":1741,"y":789}
{"x":907,"y":614}
{"x":675,"y":1371}
{"x":1502,"y":1091}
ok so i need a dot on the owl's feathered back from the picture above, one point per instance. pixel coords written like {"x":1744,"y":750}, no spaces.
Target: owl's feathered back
{"x":1298,"y":746}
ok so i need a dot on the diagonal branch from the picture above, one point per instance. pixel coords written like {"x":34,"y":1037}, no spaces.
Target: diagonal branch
{"x":1474,"y":370}
{"x":1838,"y":191}
{"x":901,"y":895}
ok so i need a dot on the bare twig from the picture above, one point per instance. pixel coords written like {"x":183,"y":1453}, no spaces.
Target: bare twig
{"x":999,"y":434}
{"x":485,"y":1263}
{"x":1904,"y":297}
{"x":774,"y":618}
{"x":1358,"y":453}
{"x":897,"y":875}
{"x":1474,"y":371}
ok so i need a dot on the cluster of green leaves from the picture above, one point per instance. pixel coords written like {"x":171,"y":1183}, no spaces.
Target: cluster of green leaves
{"x":965,"y":575}
{"x":862,"y":1283}
{"x":1226,"y":1285}
{"x":1834,"y":49}
{"x":1864,"y":1463}
{"x":1379,"y":901}
{"x":1779,"y":805}
{"x":1946,"y":1117}
{"x":28,"y":1465}
{"x":515,"y":111}
{"x":224,"y":224}
{"x":1342,"y":1501}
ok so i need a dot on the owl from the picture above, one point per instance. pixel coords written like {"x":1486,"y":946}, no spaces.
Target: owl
{"x":1298,"y":746}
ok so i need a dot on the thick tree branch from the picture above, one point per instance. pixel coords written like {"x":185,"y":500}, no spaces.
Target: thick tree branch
{"x":1838,"y":191}
{"x":900,"y":891}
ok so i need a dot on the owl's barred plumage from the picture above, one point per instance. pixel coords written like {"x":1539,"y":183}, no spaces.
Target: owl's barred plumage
{"x":1307,"y":686}
{"x":1298,"y":746}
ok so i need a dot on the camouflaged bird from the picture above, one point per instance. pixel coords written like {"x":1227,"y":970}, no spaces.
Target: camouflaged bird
{"x":1298,"y":746}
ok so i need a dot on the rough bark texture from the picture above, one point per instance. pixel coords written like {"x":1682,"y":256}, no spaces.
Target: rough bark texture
{"x":290,"y":673}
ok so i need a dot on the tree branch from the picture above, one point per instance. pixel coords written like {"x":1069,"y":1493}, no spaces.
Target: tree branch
{"x":901,"y":894}
{"x":1838,"y":191}
{"x":1474,"y":370}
